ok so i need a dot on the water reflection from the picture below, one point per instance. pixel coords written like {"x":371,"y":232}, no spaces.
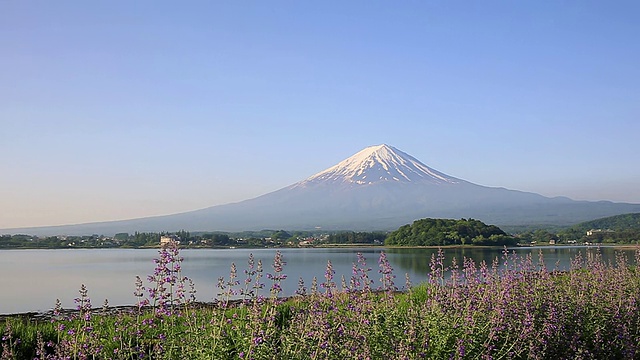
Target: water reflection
{"x":418,"y":261}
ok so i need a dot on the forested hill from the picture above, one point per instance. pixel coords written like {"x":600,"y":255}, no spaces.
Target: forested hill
{"x":616,"y":223}
{"x":440,"y":232}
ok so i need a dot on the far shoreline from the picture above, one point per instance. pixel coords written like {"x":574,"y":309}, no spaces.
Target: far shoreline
{"x":328,"y":246}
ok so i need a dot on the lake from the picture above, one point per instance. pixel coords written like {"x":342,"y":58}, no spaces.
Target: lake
{"x":32,"y":280}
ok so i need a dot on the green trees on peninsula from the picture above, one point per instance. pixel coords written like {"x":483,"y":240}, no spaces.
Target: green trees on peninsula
{"x":440,"y":232}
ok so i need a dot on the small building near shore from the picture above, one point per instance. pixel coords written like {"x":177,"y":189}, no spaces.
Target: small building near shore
{"x":598,"y":231}
{"x":167,"y":239}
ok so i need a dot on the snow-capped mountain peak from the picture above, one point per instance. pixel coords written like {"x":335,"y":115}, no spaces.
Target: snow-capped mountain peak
{"x":378,"y":164}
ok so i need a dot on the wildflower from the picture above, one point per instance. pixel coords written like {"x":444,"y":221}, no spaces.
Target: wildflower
{"x":57,"y":308}
{"x":277,"y":276}
{"x":302,"y":290}
{"x":387,"y":273}
{"x":363,"y":273}
{"x":328,"y":284}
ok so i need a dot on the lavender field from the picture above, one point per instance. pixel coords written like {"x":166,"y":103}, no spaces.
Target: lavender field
{"x":510,"y":308}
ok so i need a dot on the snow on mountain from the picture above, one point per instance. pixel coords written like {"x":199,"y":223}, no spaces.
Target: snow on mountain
{"x":378,"y":164}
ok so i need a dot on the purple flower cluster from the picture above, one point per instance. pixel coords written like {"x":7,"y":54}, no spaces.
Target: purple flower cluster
{"x":167,"y":289}
{"x":278,"y":275}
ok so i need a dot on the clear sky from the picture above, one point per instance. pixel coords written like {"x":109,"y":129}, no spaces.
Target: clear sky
{"x":121,"y":109}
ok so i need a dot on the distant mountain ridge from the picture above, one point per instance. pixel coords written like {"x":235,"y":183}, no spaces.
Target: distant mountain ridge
{"x":378,"y":188}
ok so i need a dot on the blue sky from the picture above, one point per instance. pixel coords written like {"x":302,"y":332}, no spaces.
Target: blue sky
{"x":115,"y":109}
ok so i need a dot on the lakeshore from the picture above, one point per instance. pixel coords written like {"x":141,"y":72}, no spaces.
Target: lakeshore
{"x":523,"y":304}
{"x":42,"y":276}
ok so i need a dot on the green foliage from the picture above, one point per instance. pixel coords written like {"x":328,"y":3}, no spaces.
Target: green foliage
{"x":280,"y":235}
{"x":142,"y":239}
{"x":624,"y":229}
{"x":521,"y":229}
{"x":441,"y":232}
{"x":217,"y":239}
{"x":616,"y":223}
{"x":121,"y":236}
{"x":351,"y":237}
{"x":255,"y":242}
{"x":538,"y":236}
{"x":27,"y":241}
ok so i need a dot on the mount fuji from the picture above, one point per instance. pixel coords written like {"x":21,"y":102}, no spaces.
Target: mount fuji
{"x":378,"y":188}
{"x":379,"y":164}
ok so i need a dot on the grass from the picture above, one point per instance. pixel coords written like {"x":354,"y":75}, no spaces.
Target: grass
{"x":514,"y":308}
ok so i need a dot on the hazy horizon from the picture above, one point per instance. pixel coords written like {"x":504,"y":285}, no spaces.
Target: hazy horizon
{"x":119,"y":110}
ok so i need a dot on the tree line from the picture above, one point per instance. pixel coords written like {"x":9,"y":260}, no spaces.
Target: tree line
{"x":352,"y":237}
{"x":425,"y":232}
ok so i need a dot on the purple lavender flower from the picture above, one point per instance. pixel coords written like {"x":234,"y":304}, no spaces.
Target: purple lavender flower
{"x":387,"y":274}
{"x":329,"y":284}
{"x":278,"y":276}
{"x":302,"y":290}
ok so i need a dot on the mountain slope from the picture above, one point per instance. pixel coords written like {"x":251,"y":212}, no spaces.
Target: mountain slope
{"x":617,"y":223}
{"x":378,"y":188}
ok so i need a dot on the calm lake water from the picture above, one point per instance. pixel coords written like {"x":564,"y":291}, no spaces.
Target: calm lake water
{"x":32,"y":280}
